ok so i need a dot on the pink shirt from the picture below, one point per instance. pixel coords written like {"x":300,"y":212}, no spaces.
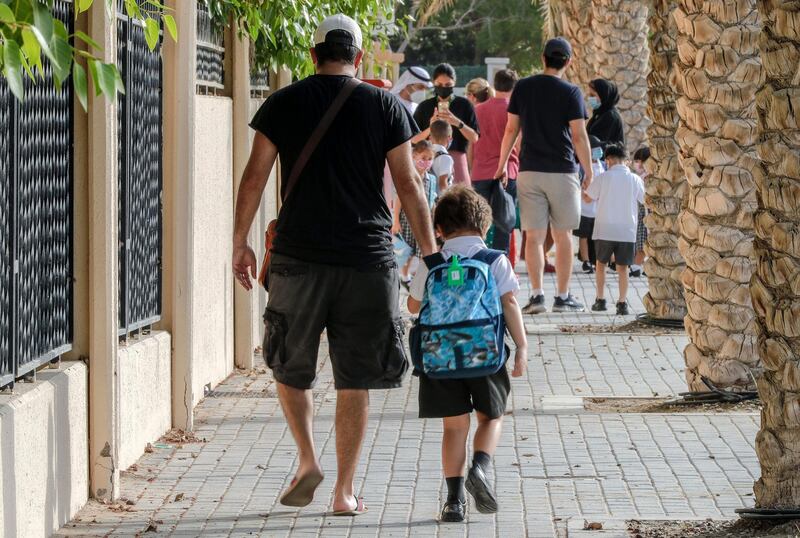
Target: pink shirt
{"x":492,"y":118}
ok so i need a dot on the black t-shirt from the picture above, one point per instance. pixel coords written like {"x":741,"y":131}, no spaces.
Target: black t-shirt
{"x":545,"y":106}
{"x":337,"y":213}
{"x":461,"y":109}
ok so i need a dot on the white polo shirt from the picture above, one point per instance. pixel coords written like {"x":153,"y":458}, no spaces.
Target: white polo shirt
{"x":618,"y":192}
{"x":467,"y":246}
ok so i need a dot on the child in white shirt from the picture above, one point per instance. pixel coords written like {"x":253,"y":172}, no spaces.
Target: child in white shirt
{"x":588,"y":211}
{"x":443,"y":164}
{"x":618,"y":193}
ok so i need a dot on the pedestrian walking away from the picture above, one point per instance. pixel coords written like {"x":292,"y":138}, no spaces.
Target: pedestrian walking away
{"x":640,"y":157}
{"x":332,"y":266}
{"x":492,"y":118}
{"x":550,"y":114}
{"x":455,"y":110}
{"x":618,"y":193}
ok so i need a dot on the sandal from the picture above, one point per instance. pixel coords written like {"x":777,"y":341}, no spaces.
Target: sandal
{"x":357,"y":511}
{"x":301,"y":490}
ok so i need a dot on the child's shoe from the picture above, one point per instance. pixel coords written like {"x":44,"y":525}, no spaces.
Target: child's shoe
{"x":478,"y":486}
{"x":622,"y":309}
{"x":453,"y":511}
{"x":599,"y":305}
{"x":587,"y":268}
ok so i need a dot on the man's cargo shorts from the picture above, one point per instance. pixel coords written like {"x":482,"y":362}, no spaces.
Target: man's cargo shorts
{"x":359,"y":308}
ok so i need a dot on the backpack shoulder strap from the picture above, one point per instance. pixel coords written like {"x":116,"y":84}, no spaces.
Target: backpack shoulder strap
{"x":316,"y":136}
{"x":487,"y":256}
{"x":433,"y":260}
{"x":441,"y":153}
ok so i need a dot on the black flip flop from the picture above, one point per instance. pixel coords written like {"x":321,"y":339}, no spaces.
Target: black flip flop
{"x":301,"y":490}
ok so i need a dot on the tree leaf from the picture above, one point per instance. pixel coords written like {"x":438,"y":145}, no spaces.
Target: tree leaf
{"x":151,"y":32}
{"x":172,"y":28}
{"x":12,"y":69}
{"x":42,"y":19}
{"x":31,"y":49}
{"x":106,"y":79}
{"x":88,"y":40}
{"x":80,"y":84}
{"x":61,"y":58}
{"x":92,"y":63}
{"x":84,"y":5}
{"x":6,"y":15}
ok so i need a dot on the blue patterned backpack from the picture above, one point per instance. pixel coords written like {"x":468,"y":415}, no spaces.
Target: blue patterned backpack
{"x":460,"y":329}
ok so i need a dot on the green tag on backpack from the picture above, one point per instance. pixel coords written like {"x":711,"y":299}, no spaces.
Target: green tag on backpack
{"x":455,"y":273}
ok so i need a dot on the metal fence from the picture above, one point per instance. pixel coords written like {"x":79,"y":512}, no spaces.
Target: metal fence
{"x":35,"y":222}
{"x":140,"y":177}
{"x":210,"y":67}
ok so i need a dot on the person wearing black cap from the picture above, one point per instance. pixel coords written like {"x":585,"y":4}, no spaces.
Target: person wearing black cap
{"x":332,"y":262}
{"x":550,"y":114}
{"x":605,"y":123}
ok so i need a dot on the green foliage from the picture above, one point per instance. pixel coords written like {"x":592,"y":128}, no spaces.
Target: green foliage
{"x":29,"y":31}
{"x":282,"y":31}
{"x":468,"y":31}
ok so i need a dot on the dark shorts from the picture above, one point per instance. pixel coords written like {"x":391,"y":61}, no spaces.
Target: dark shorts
{"x":623,"y":253}
{"x":586,"y":229}
{"x":439,"y":398}
{"x":359,"y":307}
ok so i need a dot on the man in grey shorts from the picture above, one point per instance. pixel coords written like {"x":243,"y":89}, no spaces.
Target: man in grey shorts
{"x":551,"y":115}
{"x":333,"y":264}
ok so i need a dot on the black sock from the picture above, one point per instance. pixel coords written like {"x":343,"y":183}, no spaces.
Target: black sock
{"x":481,"y":459}
{"x":455,"y":489}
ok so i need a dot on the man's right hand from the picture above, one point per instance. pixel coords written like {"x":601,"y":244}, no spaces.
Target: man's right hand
{"x":244,"y":265}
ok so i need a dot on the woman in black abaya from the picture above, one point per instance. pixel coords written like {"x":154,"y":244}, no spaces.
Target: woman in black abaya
{"x":606,"y":123}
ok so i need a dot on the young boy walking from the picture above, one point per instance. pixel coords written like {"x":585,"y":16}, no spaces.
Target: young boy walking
{"x":462,"y":217}
{"x":618,"y":193}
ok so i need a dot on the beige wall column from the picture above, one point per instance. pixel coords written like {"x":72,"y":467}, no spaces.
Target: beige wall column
{"x":179,"y":126}
{"x":103,"y":276}
{"x":246,"y":316}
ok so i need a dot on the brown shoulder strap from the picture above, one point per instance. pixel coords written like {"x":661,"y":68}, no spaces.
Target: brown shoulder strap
{"x":318,"y":133}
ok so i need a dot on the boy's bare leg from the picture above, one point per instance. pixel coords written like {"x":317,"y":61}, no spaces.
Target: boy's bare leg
{"x":298,"y":408}
{"x":454,"y":445}
{"x":601,"y":279}
{"x":352,"y":409}
{"x":488,"y":434}
{"x":622,"y":271}
{"x":639,"y":259}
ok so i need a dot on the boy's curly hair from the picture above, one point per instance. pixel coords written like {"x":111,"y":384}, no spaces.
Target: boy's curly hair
{"x":461,"y":209}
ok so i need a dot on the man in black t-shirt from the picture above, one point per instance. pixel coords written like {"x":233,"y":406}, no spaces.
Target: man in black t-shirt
{"x":552,"y":117}
{"x":332,"y":261}
{"x":455,"y":110}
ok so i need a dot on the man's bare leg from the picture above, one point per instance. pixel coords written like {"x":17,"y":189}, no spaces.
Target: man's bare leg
{"x":298,"y":408}
{"x":352,"y":410}
{"x":534,"y":256}
{"x":564,"y":254}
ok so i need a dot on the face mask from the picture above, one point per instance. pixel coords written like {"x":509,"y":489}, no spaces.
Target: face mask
{"x":418,"y":95}
{"x":443,"y":91}
{"x":423,"y":164}
{"x":597,"y":154}
{"x":594,"y":102}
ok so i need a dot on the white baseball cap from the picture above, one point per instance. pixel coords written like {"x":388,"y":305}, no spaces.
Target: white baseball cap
{"x":340,"y":22}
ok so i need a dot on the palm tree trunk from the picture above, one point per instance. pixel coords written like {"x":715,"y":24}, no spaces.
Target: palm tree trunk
{"x":621,"y":55}
{"x":574,"y":21}
{"x":776,"y":283}
{"x":666,"y":184}
{"x":717,"y":76}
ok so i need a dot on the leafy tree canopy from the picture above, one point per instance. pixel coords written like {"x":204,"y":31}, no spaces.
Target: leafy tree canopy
{"x":468,"y":31}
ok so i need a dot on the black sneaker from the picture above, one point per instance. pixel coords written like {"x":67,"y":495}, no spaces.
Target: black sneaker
{"x":599,"y":305}
{"x":567,"y":305}
{"x":587,"y":268}
{"x":622,"y":309}
{"x":453,"y":511}
{"x":636,"y":274}
{"x":535,"y":306}
{"x":478,"y":486}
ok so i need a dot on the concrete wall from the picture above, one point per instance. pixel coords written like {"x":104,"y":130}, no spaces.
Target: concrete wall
{"x":212,"y":343}
{"x":44,"y":452}
{"x":145,"y":409}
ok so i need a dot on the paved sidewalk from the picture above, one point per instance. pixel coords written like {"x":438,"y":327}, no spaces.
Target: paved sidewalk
{"x":552,"y":469}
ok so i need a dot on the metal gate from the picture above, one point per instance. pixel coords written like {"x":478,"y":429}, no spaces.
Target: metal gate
{"x":35,"y":222}
{"x":140,"y":176}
